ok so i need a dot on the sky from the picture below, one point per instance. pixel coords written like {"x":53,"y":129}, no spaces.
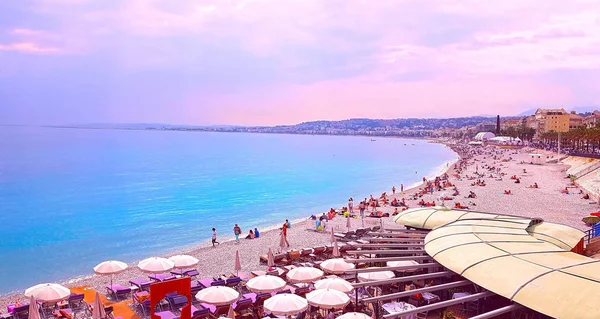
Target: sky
{"x":267,"y":62}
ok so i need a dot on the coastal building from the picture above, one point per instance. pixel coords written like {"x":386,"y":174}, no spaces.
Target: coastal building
{"x":484,"y":136}
{"x":575,"y":120}
{"x":529,"y":122}
{"x":486,"y":127}
{"x":511,"y":124}
{"x":592,"y":120}
{"x":552,"y":120}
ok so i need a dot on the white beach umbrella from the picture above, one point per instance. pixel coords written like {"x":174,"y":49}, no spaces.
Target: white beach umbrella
{"x":110,"y":267}
{"x":285,"y":305}
{"x":218,"y":295}
{"x":270,"y":259}
{"x":336,"y":249}
{"x":156,"y":265}
{"x":354,"y":315}
{"x":348,"y":224}
{"x":338,"y":284}
{"x":336,"y":266}
{"x":376,"y":275}
{"x":327,"y":299}
{"x":399,"y":263}
{"x":265,"y":283}
{"x":98,"y":312}
{"x":33,"y":309}
{"x":332,"y":235}
{"x":184,"y":261}
{"x":304,"y":274}
{"x":48,"y":292}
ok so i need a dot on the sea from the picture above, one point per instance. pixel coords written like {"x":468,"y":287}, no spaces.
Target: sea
{"x":71,"y":198}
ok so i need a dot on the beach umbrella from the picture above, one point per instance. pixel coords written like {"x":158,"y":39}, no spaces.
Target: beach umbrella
{"x":231,"y":313}
{"x":218,"y":295}
{"x":270,"y":260}
{"x":184,"y":261}
{"x":327,"y":299}
{"x":332,"y":235}
{"x":156,"y":265}
{"x":404,"y":263}
{"x":348,"y":223}
{"x":48,"y":292}
{"x":338,"y":284}
{"x":376,"y":275}
{"x":336,"y":249}
{"x":265,"y":283}
{"x":285,"y":305}
{"x":110,"y":267}
{"x":354,"y":315}
{"x":33,"y":309}
{"x":304,"y":274}
{"x":336,"y":266}
{"x":238,"y":265}
{"x":98,"y":311}
{"x":591,"y":220}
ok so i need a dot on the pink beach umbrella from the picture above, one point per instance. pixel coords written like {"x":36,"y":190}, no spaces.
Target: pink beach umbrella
{"x":238,"y":264}
{"x":348,"y":223}
{"x":33,"y":309}
{"x":338,"y":284}
{"x":336,"y":266}
{"x":184,"y":261}
{"x":156,"y":265}
{"x":218,"y":295}
{"x":327,"y":299}
{"x":332,"y":235}
{"x":282,"y":243}
{"x":110,"y":267}
{"x":265,"y":283}
{"x":48,"y":292}
{"x":304,"y":274}
{"x":336,"y":249}
{"x":270,"y":259}
{"x":285,"y":305}
{"x":354,"y":315}
{"x":98,"y":312}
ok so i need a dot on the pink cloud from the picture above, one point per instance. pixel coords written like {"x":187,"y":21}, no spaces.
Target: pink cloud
{"x":28,"y":47}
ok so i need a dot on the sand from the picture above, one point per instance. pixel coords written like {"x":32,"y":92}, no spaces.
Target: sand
{"x":547,"y":202}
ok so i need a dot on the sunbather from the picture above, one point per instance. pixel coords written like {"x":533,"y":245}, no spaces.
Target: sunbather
{"x":250,"y":235}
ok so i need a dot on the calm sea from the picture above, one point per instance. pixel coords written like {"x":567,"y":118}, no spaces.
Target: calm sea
{"x":70,"y":198}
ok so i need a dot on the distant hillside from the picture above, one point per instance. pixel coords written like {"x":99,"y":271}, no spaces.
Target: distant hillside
{"x":407,"y":123}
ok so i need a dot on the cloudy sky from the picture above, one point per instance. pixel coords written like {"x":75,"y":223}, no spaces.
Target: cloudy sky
{"x":269,"y":62}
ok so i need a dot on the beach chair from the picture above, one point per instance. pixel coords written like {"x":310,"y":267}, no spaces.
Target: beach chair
{"x":243,"y":305}
{"x":166,"y":315}
{"x":205,"y":282}
{"x":202,"y":313}
{"x":195,"y":288}
{"x":220,"y":311}
{"x":219,"y":282}
{"x":47,"y":309}
{"x":233,"y":282}
{"x":302,"y":291}
{"x":260,"y":299}
{"x":117,"y":291}
{"x":177,"y":301}
{"x":141,"y":283}
{"x":161,"y":277}
{"x":318,"y":253}
{"x":305,"y":254}
{"x":191,"y":273}
{"x":21,"y":312}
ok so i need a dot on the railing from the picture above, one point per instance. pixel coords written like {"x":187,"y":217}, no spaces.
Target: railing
{"x":591,"y":233}
{"x":588,"y":170}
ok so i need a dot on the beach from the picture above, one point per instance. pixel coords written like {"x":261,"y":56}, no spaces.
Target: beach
{"x":546,"y":202}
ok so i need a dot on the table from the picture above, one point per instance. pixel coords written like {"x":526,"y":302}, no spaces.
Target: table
{"x":430,"y":298}
{"x":394,"y":307}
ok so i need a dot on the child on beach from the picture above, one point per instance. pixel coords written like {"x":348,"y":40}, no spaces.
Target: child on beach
{"x":237,"y":231}
{"x":214,"y":237}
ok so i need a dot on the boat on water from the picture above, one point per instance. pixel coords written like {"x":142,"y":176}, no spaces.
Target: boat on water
{"x":372,"y":140}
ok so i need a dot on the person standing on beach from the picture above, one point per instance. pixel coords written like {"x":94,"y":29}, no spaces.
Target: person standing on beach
{"x":284,"y":231}
{"x":214,"y":237}
{"x":361,"y":207}
{"x":237,"y":231}
{"x":402,"y":189}
{"x":351,"y":206}
{"x":393,"y":190}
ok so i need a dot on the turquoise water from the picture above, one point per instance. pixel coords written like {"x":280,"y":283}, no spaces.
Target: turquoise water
{"x":70,"y":198}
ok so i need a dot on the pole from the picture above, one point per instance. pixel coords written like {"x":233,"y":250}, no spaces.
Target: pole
{"x":558,"y":143}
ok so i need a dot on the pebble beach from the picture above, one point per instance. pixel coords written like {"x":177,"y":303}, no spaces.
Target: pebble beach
{"x":546,"y":202}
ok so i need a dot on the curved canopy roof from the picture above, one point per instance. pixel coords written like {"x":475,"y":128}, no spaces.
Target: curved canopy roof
{"x":429,"y":218}
{"x":501,"y":255}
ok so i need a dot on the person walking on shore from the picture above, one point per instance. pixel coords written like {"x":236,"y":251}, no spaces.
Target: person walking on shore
{"x":214,"y":237}
{"x":361,"y":207}
{"x":393,"y":190}
{"x":237,"y":231}
{"x":284,"y":231}
{"x":402,"y":189}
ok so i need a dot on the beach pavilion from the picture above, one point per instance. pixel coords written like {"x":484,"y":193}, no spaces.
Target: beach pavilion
{"x":525,"y":263}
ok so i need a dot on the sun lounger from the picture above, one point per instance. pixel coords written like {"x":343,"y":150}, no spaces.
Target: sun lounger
{"x":286,"y":291}
{"x":116,"y":291}
{"x":205,"y":282}
{"x":302,"y":291}
{"x":177,"y":301}
{"x":200,"y":313}
{"x":260,"y":299}
{"x":250,"y":295}
{"x":76,"y":302}
{"x":318,"y":252}
{"x":21,"y":312}
{"x":141,"y":283}
{"x":166,"y":315}
{"x":233,"y":282}
{"x":305,"y":253}
{"x":161,"y":277}
{"x":218,"y":283}
{"x":191,"y":273}
{"x":242,"y":305}
{"x":195,"y":288}
{"x":220,"y":311}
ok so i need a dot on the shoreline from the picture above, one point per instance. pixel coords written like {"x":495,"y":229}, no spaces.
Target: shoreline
{"x":198,"y":247}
